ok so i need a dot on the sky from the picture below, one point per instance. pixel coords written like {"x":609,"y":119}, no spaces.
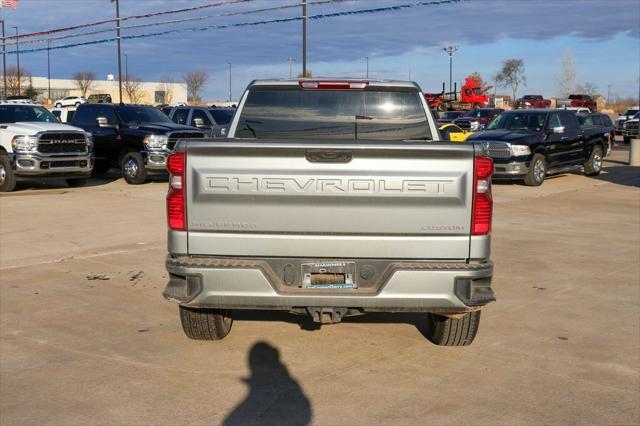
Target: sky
{"x":407,"y":43}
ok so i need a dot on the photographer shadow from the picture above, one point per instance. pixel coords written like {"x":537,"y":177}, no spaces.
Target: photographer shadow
{"x":274,"y":396}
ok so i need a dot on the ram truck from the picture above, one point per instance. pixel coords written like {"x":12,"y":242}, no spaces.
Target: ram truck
{"x":330,"y":198}
{"x":533,"y":143}
{"x":134,"y":138}
{"x":34,"y":145}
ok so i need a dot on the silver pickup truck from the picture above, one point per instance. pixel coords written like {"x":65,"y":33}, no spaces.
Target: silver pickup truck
{"x":330,"y":198}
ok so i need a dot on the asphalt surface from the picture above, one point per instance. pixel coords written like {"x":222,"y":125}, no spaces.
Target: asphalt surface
{"x":86,"y":338}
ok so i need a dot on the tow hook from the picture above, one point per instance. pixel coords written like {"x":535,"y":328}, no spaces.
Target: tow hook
{"x":326,"y":315}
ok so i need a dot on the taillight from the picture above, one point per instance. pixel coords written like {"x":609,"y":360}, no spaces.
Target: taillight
{"x":176,"y":214}
{"x":332,"y":85}
{"x":482,"y":201}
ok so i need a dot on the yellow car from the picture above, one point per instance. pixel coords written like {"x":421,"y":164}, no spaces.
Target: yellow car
{"x":453,"y":133}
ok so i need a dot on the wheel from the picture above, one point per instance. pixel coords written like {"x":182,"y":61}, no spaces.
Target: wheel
{"x":101,"y":166}
{"x":594,"y":165}
{"x":58,"y":105}
{"x":206,"y":324}
{"x":76,"y":183}
{"x":133,"y":168}
{"x":537,"y":171}
{"x":445,"y":331}
{"x":7,"y":177}
{"x":77,"y":104}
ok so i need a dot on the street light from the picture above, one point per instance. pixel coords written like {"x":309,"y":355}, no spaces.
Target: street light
{"x":229,"y":81}
{"x":4,"y":59}
{"x":450,"y":50}
{"x":291,"y":61}
{"x":18,"y":60}
{"x":49,"y":68}
{"x":119,"y":51}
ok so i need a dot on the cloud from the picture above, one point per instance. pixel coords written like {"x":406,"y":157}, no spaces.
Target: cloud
{"x":341,"y":39}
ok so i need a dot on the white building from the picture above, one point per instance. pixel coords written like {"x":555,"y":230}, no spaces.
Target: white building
{"x":150,"y":92}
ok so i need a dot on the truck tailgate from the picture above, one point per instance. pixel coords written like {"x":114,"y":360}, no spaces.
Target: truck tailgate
{"x":329,"y":200}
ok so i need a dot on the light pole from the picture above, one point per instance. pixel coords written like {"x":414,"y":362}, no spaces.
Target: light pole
{"x":291,"y":61}
{"x":119,"y":51}
{"x":304,"y":38}
{"x":450,"y":50}
{"x":18,"y":60}
{"x":126,"y":66}
{"x":609,"y":92}
{"x":367,"y":58}
{"x":49,"y":68}
{"x":4,"y":60}
{"x":229,"y":81}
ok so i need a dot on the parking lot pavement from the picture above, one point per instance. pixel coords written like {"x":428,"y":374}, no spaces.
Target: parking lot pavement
{"x":86,"y":338}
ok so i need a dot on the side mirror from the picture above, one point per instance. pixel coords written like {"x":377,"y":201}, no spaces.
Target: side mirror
{"x":558,"y":129}
{"x":199,"y":123}
{"x":103,"y":122}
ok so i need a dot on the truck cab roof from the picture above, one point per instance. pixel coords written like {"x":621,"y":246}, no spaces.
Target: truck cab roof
{"x":337,"y":81}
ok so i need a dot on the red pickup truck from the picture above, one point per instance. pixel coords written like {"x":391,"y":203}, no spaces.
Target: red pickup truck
{"x":578,"y":101}
{"x":532,"y":101}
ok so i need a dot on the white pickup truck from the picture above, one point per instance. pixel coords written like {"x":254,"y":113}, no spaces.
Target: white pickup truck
{"x":330,"y":198}
{"x":35,"y":145}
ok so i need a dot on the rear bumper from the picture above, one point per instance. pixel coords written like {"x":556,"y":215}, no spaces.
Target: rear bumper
{"x":418,"y":286}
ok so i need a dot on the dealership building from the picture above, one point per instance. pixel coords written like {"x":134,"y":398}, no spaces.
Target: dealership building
{"x":150,"y":92}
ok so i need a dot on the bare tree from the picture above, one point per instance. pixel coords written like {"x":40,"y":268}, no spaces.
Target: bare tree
{"x":566,"y":81}
{"x":308,"y":74}
{"x":166,"y":86}
{"x":588,"y":89}
{"x":132,"y":86}
{"x":84,"y":81}
{"x":512,"y":75}
{"x":13,"y":87}
{"x":195,"y":80}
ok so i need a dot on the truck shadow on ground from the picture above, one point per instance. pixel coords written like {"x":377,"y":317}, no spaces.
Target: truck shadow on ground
{"x":274,"y":396}
{"x":418,"y":320}
{"x":620,"y":175}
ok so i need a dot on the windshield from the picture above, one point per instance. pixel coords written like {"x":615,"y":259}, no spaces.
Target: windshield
{"x":25,"y":113}
{"x":333,"y":114}
{"x":222,"y":116}
{"x":527,"y":121}
{"x":136,"y":114}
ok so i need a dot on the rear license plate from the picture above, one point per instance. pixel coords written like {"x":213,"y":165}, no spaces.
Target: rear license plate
{"x":331,"y":275}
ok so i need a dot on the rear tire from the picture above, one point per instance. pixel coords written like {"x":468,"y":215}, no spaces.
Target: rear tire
{"x":445,"y":331}
{"x":537,"y":171}
{"x":7,"y":177}
{"x":76,"y":183}
{"x":593,"y":166}
{"x":206,"y":324}
{"x":58,"y":105}
{"x":133,"y":168}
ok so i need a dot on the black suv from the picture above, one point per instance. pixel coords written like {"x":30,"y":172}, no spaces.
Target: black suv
{"x":135,"y":138}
